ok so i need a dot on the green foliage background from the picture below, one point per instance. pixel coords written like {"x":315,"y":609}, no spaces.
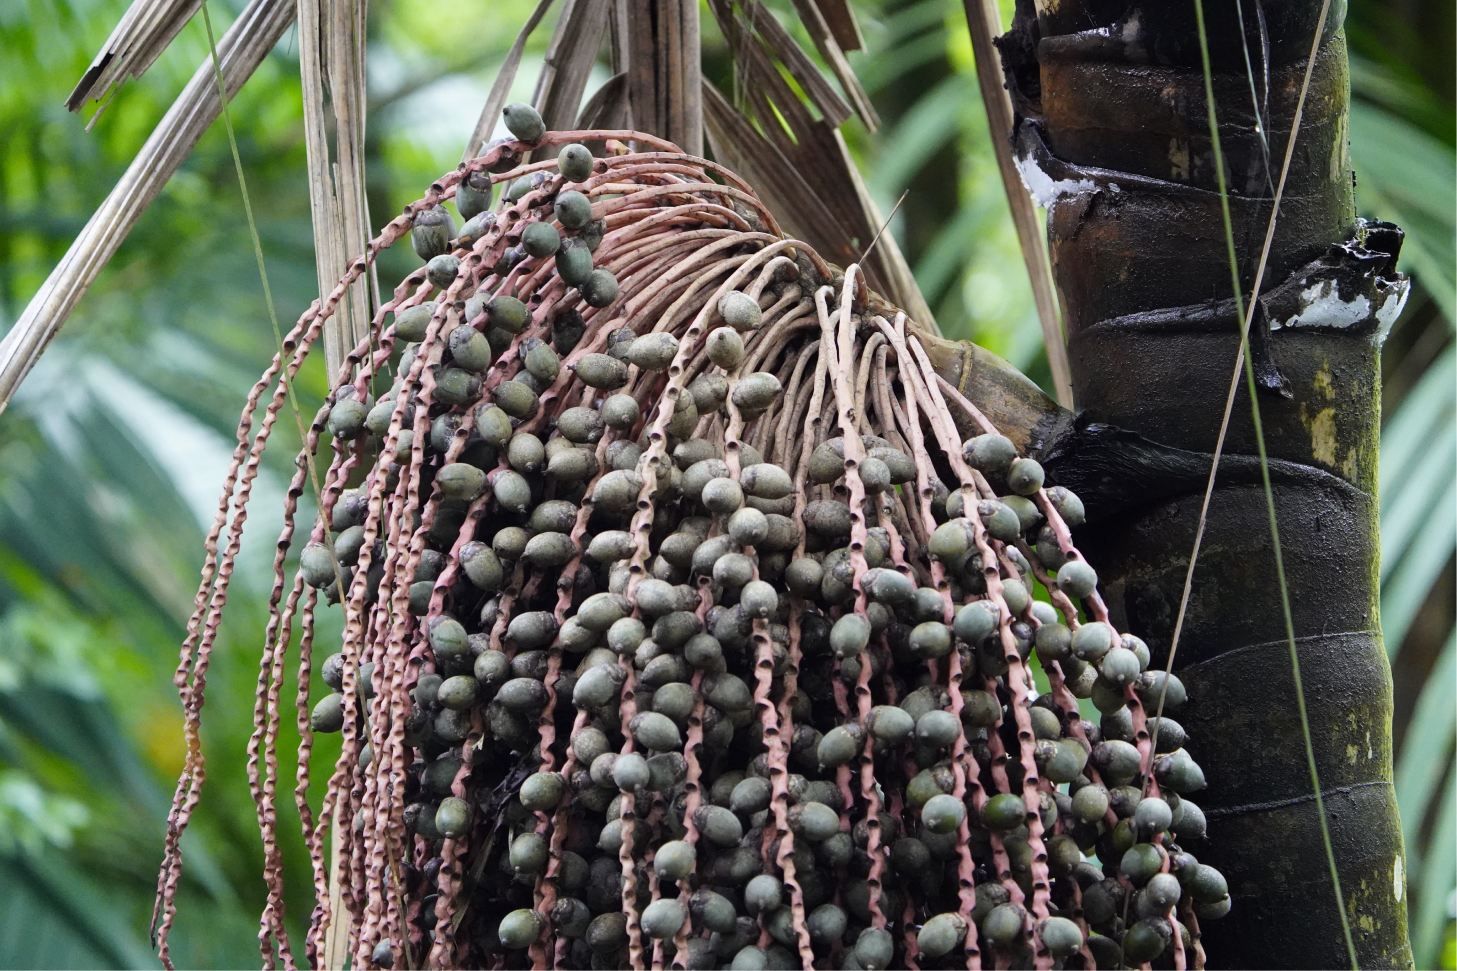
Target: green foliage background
{"x":111,"y":456}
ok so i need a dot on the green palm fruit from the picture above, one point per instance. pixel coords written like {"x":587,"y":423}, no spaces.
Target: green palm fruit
{"x":655,"y":731}
{"x":1188,"y":823}
{"x":814,"y":821}
{"x":937,"y":728}
{"x":602,"y":372}
{"x":575,"y":162}
{"x":718,"y":825}
{"x":460,"y":482}
{"x":763,"y":894}
{"x":827,"y":924}
{"x":674,"y":860}
{"x":1068,"y":505}
{"x":448,"y":640}
{"x":1106,"y":952}
{"x":1062,"y":937}
{"x":412,"y":323}
{"x":653,"y":352}
{"x":890,"y":724}
{"x":1000,"y":521}
{"x":525,"y":453}
{"x":528,"y":853}
{"x":941,"y":934}
{"x":975,"y":622}
{"x":457,"y":693}
{"x":620,"y":411}
{"x":1005,"y":811}
{"x":874,"y":949}
{"x":507,"y":313}
{"x":992,"y":454}
{"x":600,"y":288}
{"x":574,"y":263}
{"x":898,"y":463}
{"x":1118,"y":668}
{"x":709,"y":392}
{"x":328,"y":714}
{"x":931,"y":640}
{"x":509,"y":543}
{"x":540,"y":239}
{"x":1004,"y":924}
{"x":317,"y":565}
{"x":850,"y":635}
{"x":1045,"y":724}
{"x":1025,"y":477}
{"x":1092,"y":641}
{"x":1179,"y":772}
{"x":1152,"y":691}
{"x":473,"y":195}
{"x":750,"y":958}
{"x":452,"y":817}
{"x":513,"y":493}
{"x":722,"y":496}
{"x":739,"y":310}
{"x":980,"y":709}
{"x":1141,"y":862}
{"x":748,"y":527}
{"x":519,"y":928}
{"x":573,"y":210}
{"x":756,"y":392}
{"x":442,"y":270}
{"x":346,"y":418}
{"x":725,"y":348}
{"x":1090,"y":803}
{"x":1054,"y":642}
{"x":516,"y":400}
{"x":1077,"y":579}
{"x":542,"y":362}
{"x":525,"y":124}
{"x":713,"y":911}
{"x":943,"y":813}
{"x":470,"y":350}
{"x":840,"y":745}
{"x":1163,"y":891}
{"x":431,"y":231}
{"x":1146,"y":940}
{"x":607,"y":934}
{"x":542,"y":791}
{"x":766,"y":481}
{"x":1153,"y":816}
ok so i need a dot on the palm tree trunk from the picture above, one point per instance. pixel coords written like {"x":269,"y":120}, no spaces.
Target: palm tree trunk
{"x":1113,"y":136}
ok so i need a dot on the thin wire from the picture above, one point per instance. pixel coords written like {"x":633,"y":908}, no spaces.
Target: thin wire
{"x":1239,"y":360}
{"x":1242,"y":362}
{"x":267,"y":291}
{"x":1255,"y":95}
{"x":883,"y":225}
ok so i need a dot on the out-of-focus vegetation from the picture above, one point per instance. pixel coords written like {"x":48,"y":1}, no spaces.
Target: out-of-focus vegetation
{"x":111,"y":456}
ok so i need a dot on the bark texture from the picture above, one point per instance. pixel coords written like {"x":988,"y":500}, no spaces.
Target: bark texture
{"x":1113,"y":135}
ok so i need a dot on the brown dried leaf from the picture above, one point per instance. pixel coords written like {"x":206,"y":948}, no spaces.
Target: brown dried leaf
{"x":840,"y":16}
{"x":819,"y":30}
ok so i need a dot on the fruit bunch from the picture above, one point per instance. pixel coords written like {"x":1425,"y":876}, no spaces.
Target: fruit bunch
{"x":683,"y":625}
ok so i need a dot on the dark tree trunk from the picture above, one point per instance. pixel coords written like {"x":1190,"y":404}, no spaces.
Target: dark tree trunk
{"x":1113,"y":121}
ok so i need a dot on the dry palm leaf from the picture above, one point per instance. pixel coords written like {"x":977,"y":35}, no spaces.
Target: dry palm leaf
{"x":142,"y":34}
{"x":332,"y":66}
{"x":241,"y":50}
